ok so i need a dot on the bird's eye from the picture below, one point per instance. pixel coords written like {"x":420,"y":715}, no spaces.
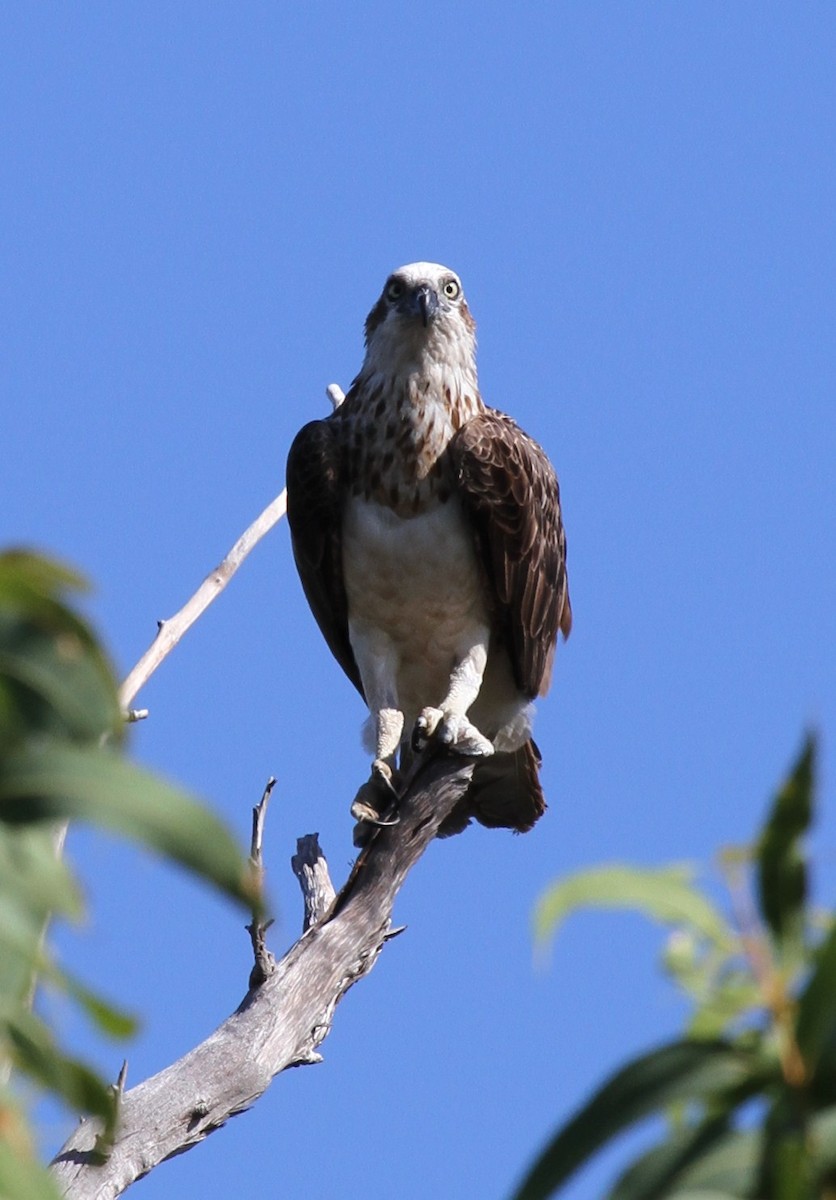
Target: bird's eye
{"x":394,"y":289}
{"x":452,"y":290}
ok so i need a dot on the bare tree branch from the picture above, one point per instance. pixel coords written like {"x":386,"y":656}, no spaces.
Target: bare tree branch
{"x":281,"y":1022}
{"x":170,"y":631}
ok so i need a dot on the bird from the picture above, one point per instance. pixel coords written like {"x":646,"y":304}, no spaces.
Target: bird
{"x":427,"y":532}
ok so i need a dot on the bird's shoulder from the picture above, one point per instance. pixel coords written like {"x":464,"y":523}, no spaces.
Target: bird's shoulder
{"x":492,"y":447}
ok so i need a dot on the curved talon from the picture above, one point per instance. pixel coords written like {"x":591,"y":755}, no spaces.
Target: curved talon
{"x":376,"y":802}
{"x":426,"y":725}
{"x":368,"y":818}
{"x":361,"y":810}
{"x":382,"y":774}
{"x":390,"y":817}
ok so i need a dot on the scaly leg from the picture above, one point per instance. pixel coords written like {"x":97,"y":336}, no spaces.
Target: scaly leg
{"x":377,"y":661}
{"x":449,"y":723}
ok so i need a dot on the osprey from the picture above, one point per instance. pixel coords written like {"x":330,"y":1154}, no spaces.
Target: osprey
{"x":427,"y":534}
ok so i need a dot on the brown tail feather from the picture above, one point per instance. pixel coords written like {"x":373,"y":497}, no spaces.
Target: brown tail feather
{"x":505,"y":793}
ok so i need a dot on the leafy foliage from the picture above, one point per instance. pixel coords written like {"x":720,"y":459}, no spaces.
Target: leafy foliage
{"x":762,"y":1028}
{"x":61,"y":732}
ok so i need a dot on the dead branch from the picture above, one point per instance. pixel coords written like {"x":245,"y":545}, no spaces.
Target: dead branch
{"x":311,"y":869}
{"x":281,"y":1022}
{"x":170,"y":631}
{"x":264,"y":963}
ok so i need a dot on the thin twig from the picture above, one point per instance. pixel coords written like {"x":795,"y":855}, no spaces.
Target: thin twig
{"x":264,"y":964}
{"x":772,"y":984}
{"x":335,"y":394}
{"x":169,"y":632}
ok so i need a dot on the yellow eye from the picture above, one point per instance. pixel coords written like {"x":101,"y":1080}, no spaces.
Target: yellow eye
{"x":452,"y":290}
{"x":394,"y":289}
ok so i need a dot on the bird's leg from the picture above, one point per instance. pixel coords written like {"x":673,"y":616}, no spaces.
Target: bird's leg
{"x":449,"y":723}
{"x":376,"y":801}
{"x":388,"y":730}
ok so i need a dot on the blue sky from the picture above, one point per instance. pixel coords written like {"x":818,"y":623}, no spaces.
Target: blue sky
{"x":199,"y":205}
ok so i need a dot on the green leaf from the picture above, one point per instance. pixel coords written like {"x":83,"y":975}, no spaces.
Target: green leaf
{"x":21,"y":1178}
{"x":652,"y":1176}
{"x":822,"y":1135}
{"x":729,"y":999}
{"x":21,"y":569}
{"x":786,"y":1167}
{"x":33,"y":883}
{"x":722,"y":991}
{"x":54,"y":677}
{"x":728,"y":1167}
{"x":665,"y":894}
{"x":54,"y":781}
{"x":815,"y":1025}
{"x":35,"y":1052}
{"x":782,"y":869}
{"x":104,"y":1015}
{"x":54,"y":683}
{"x":24,"y":957}
{"x":706,"y":1194}
{"x":58,"y":704}
{"x":33,"y":875}
{"x":683,"y":1072}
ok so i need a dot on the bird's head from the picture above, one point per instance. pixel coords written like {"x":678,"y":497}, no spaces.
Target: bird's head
{"x":421,"y":311}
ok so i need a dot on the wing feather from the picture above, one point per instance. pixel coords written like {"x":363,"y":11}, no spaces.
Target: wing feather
{"x":315,"y":498}
{"x":510,"y":492}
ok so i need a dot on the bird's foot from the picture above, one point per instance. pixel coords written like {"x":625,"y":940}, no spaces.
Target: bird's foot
{"x":453,"y":731}
{"x":376,"y":803}
{"x":385,"y":777}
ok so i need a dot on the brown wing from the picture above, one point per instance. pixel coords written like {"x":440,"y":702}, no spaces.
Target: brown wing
{"x":315,"y":495}
{"x":509,"y":490}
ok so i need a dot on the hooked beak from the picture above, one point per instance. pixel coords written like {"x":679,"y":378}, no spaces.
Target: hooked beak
{"x":421,"y":302}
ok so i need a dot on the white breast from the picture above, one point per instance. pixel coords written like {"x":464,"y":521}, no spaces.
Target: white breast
{"x":413,"y":582}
